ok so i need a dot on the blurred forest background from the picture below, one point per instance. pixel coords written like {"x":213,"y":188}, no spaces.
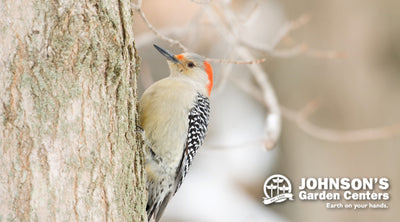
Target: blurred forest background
{"x":334,"y":63}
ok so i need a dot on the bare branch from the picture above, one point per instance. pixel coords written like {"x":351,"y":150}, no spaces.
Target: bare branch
{"x":172,"y":41}
{"x":297,"y":49}
{"x":138,"y":5}
{"x":282,"y":32}
{"x":302,"y":121}
{"x":360,"y":135}
{"x":225,"y":21}
{"x":291,"y":52}
{"x":154,"y":30}
{"x":272,"y":121}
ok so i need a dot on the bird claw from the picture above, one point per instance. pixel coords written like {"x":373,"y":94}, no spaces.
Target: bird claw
{"x":141,"y":131}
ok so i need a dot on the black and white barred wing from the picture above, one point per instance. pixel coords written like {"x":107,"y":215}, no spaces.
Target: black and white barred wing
{"x":198,"y":122}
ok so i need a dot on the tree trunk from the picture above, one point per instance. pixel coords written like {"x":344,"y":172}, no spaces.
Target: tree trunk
{"x":68,"y":146}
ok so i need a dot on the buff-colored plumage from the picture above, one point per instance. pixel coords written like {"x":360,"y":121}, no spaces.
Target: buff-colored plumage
{"x":164,"y":115}
{"x":165,"y":106}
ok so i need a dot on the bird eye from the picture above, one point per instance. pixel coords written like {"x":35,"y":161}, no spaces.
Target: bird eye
{"x":191,"y":65}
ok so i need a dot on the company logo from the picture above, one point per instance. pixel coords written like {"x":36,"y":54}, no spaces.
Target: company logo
{"x":346,"y":193}
{"x":334,"y":192}
{"x":277,"y":189}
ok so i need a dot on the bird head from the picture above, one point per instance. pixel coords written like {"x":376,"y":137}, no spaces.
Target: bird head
{"x":190,"y":65}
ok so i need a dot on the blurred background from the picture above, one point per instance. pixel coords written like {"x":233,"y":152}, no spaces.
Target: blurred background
{"x":335,"y":69}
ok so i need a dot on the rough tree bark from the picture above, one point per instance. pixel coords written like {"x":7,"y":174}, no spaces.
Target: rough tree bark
{"x":68,"y":146}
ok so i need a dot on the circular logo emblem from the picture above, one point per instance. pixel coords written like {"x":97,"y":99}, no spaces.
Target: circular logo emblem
{"x":277,"y":188}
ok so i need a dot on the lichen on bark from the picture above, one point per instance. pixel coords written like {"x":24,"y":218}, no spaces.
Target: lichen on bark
{"x":68,"y":115}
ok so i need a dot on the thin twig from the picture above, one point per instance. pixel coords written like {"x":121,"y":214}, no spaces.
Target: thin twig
{"x":157,"y":33}
{"x":289,"y":53}
{"x":172,"y":41}
{"x":296,"y":50}
{"x":225,"y":21}
{"x":281,"y":33}
{"x":301,"y":118}
{"x":272,"y":122}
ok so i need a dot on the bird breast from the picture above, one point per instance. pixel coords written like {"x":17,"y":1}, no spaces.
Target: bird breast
{"x":164,"y":106}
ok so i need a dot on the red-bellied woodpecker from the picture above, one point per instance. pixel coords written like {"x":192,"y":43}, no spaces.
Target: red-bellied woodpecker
{"x":174,"y":114}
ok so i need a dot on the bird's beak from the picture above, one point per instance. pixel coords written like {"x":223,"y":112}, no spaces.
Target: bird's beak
{"x":167,"y":54}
